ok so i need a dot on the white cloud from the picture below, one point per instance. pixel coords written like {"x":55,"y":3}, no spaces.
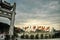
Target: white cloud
{"x":38,"y":10}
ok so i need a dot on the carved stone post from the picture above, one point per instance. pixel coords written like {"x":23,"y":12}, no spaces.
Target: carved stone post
{"x":12,"y":21}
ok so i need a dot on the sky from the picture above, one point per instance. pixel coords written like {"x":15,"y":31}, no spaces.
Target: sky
{"x":37,"y":12}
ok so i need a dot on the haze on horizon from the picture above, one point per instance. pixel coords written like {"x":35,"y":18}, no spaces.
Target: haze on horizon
{"x":36,"y":12}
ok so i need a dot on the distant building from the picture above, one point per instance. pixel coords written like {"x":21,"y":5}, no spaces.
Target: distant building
{"x":40,"y":34}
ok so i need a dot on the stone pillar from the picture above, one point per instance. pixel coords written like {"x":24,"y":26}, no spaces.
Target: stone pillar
{"x":12,"y":21}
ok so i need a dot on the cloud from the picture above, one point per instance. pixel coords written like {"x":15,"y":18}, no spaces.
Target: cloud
{"x":47,"y":10}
